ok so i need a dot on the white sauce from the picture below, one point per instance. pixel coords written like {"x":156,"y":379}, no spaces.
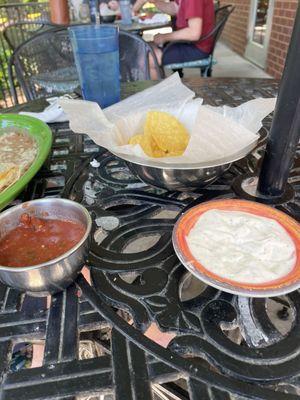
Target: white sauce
{"x":241,"y":246}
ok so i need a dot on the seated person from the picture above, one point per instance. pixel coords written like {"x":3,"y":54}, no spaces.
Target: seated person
{"x":194,"y":18}
{"x":138,"y":4}
{"x":111,"y":4}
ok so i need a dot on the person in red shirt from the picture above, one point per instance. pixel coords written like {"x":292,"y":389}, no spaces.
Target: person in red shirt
{"x":194,"y":19}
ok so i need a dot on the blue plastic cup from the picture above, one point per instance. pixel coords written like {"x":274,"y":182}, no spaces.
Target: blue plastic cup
{"x":96,"y":51}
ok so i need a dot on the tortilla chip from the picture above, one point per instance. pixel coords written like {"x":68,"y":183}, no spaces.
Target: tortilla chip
{"x":136,"y":139}
{"x":9,"y":174}
{"x":148,"y":145}
{"x":168,"y":133}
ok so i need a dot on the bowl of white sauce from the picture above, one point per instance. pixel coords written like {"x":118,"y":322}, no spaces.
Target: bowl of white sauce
{"x":240,"y":247}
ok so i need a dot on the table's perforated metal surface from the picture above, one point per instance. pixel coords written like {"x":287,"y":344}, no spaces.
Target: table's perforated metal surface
{"x":223,"y":347}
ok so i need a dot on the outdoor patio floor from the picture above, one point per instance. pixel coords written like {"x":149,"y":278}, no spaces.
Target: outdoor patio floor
{"x":229,"y":64}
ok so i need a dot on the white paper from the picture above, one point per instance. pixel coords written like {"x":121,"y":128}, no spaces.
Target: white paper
{"x":216,"y":133}
{"x":249,"y":114}
{"x":52,"y":113}
{"x":156,"y":19}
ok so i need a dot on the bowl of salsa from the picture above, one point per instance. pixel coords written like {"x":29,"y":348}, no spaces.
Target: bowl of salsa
{"x":43,"y":244}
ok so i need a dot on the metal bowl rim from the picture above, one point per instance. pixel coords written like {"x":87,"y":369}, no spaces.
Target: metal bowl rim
{"x":211,"y":164}
{"x":62,"y":256}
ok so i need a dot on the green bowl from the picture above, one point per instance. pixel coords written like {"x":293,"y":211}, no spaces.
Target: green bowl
{"x":43,"y":137}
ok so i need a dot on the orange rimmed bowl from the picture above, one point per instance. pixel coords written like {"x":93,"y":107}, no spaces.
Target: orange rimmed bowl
{"x":186,"y":222}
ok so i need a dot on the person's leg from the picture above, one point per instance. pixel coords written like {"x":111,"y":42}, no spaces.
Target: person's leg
{"x":153,"y":68}
{"x":177,"y":53}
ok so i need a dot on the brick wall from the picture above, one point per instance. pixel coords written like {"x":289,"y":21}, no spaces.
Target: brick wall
{"x":235,"y":32}
{"x":283,"y":20}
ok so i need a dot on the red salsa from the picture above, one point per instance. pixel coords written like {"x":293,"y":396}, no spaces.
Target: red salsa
{"x":36,"y":240}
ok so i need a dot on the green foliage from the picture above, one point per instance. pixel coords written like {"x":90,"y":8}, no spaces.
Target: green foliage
{"x":7,"y":16}
{"x":5,"y":53}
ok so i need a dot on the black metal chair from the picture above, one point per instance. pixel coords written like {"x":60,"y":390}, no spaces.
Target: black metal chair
{"x":19,"y":32}
{"x":134,"y":58}
{"x":205,"y":65}
{"x":45,"y":63}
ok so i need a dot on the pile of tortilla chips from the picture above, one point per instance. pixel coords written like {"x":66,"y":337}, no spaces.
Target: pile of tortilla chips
{"x":164,"y":136}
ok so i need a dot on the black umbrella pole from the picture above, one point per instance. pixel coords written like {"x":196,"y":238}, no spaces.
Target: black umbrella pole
{"x":285,"y":131}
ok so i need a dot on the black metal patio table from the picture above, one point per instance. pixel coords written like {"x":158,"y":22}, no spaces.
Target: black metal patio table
{"x":139,"y":27}
{"x":224,"y":346}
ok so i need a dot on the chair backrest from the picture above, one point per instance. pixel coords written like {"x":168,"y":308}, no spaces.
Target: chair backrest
{"x":221,"y":16}
{"x":134,"y":58}
{"x":51,"y":51}
{"x":216,"y":4}
{"x":18,"y":33}
{"x":45,"y":53}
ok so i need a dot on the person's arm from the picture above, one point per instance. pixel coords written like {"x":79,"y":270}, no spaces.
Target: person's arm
{"x":191,"y":33}
{"x":138,"y":5}
{"x":170,"y":8}
{"x":113,"y":5}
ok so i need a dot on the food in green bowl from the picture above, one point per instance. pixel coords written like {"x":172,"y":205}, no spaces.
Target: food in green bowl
{"x":25,"y":143}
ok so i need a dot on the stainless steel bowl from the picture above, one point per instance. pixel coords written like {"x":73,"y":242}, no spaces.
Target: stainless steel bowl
{"x":54,"y":275}
{"x":181,"y":177}
{"x":177,"y":179}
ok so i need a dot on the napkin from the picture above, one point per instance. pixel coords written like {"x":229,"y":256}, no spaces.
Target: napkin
{"x":52,"y":113}
{"x":216,"y":133}
{"x":156,"y":19}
